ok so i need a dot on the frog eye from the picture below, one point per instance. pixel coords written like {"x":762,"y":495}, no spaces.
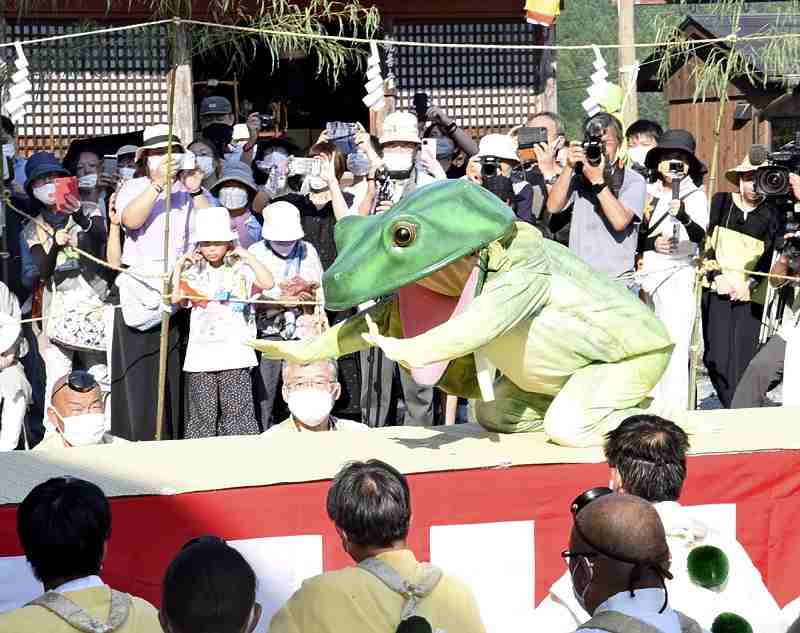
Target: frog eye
{"x":404,"y":234}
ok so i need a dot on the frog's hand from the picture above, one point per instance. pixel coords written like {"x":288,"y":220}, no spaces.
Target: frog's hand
{"x":343,"y":338}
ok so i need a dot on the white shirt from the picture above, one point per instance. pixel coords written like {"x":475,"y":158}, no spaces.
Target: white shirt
{"x":644,"y":605}
{"x":87,"y":582}
{"x":218,"y":329}
{"x":359,"y":192}
{"x":745,"y":593}
{"x":310,"y":266}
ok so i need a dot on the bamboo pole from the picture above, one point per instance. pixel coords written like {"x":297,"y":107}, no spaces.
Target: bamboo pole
{"x":166,"y":292}
{"x":694,"y":347}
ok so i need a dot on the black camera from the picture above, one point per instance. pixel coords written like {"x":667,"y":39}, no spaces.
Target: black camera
{"x":490,"y":166}
{"x":267,"y":122}
{"x":791,"y":248}
{"x":773,"y":179}
{"x":593,"y":143}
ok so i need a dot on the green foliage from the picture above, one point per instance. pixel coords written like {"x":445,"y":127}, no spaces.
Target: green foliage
{"x":708,"y":566}
{"x":595,"y":22}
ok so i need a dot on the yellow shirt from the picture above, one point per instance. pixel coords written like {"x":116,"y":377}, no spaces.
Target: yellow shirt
{"x":352,"y":599}
{"x":142,"y":618}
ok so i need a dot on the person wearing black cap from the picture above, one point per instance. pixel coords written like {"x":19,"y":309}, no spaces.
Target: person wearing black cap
{"x":672,"y":231}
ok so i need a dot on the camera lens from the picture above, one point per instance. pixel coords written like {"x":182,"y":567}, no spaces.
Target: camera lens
{"x":773,"y":182}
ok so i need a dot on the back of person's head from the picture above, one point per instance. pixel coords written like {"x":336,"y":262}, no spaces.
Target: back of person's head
{"x":649,"y":453}
{"x":63,"y":525}
{"x":617,"y":544}
{"x":370,"y":502}
{"x":209,"y":588}
{"x":644,"y":128}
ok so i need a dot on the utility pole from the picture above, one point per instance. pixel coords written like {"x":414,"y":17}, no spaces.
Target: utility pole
{"x":627,"y":60}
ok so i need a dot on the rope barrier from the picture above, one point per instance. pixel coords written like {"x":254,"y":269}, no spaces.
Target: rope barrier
{"x":732,"y":38}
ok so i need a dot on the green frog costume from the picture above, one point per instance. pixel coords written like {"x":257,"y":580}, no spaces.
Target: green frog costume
{"x":484,"y":307}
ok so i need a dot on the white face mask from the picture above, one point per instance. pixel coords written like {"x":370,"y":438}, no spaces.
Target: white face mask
{"x":316,"y":183}
{"x":398,"y":162}
{"x":83,"y":430}
{"x":638,"y":154}
{"x":127,"y":173}
{"x":206,"y":163}
{"x":9,"y":150}
{"x":46,"y":194}
{"x":232,"y":197}
{"x":312,"y":407}
{"x":89,"y":181}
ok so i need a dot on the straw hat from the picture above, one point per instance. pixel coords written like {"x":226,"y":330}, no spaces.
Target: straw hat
{"x":9,"y":331}
{"x":214,"y":225}
{"x":282,"y":222}
{"x":400,"y":127}
{"x":499,"y":146}
{"x":157,"y":137}
{"x":732,"y":175}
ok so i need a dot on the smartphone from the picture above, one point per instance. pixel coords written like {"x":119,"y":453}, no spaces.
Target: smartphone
{"x":65,"y":186}
{"x":421,"y":106}
{"x":675,"y":167}
{"x":429,"y":147}
{"x":109,"y":164}
{"x":304,"y":166}
{"x":529,"y":137}
{"x":343,"y":135}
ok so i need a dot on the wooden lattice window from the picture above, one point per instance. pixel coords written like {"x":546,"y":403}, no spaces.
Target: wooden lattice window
{"x":90,"y":86}
{"x":484,"y":90}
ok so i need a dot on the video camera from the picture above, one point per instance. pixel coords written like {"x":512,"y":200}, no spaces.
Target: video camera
{"x":593,"y":145}
{"x":772,"y":180}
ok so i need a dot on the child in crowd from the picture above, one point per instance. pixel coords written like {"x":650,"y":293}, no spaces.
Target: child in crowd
{"x":211,"y":280}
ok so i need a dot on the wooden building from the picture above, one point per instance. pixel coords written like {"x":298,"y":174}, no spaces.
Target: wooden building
{"x":117,"y":83}
{"x":757,"y":112}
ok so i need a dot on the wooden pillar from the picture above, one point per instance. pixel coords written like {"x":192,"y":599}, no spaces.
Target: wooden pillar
{"x":627,"y":59}
{"x":184,"y":91}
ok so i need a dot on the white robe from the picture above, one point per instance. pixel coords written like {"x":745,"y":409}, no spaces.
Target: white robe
{"x":744,"y":594}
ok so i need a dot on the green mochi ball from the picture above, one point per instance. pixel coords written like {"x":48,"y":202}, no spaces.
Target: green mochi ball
{"x":708,"y":566}
{"x":730,"y":623}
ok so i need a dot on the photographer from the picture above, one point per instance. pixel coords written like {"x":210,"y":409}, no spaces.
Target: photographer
{"x":451,"y":141}
{"x":742,"y":230}
{"x":778,"y":359}
{"x":403,"y":167}
{"x":606,"y":198}
{"x":500,"y":165}
{"x":672,"y":232}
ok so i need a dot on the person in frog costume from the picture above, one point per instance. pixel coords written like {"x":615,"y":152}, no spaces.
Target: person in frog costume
{"x":484,"y":307}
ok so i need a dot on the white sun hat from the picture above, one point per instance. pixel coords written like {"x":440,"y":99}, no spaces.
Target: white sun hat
{"x":498,"y":145}
{"x":282,"y":223}
{"x":400,"y":127}
{"x":213,"y":225}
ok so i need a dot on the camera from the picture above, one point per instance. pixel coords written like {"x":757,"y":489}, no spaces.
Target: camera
{"x":593,"y":143}
{"x":304,"y":166}
{"x":527,"y":139}
{"x":676,"y":168}
{"x":490,"y":166}
{"x":267,"y":123}
{"x":772,"y":180}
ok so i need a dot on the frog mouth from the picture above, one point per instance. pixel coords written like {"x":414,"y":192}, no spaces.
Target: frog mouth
{"x":421,"y":310}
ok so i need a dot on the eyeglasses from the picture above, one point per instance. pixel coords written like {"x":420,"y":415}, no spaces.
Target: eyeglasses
{"x":569,"y":557}
{"x":310,"y":384}
{"x":585,"y":498}
{"x":79,"y":380}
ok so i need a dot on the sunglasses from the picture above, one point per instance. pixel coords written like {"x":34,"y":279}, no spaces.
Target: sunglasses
{"x":585,"y":498}
{"x":78,"y":380}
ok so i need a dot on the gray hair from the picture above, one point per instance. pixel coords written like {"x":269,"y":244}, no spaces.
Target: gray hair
{"x":555,"y":118}
{"x":331,"y":362}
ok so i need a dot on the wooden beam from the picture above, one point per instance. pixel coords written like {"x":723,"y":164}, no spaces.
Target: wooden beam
{"x":627,"y":60}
